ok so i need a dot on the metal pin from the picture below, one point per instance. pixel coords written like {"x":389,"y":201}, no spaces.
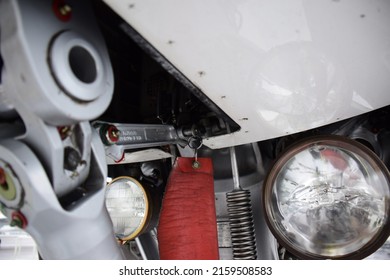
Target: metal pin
{"x":196,"y":163}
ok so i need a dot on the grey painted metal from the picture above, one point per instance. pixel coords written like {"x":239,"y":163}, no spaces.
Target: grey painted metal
{"x":41,"y":80}
{"x":44,"y":90}
{"x":28,"y":29}
{"x":236,"y":176}
{"x":7,"y":111}
{"x":83,"y":232}
{"x":78,"y":67}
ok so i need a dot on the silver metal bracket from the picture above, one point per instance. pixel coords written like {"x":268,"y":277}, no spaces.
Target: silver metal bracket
{"x":119,"y":138}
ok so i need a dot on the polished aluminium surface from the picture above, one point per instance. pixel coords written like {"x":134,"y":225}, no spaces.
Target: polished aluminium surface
{"x":136,"y":136}
{"x":282,"y":66}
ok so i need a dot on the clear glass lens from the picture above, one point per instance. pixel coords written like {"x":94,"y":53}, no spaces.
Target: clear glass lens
{"x":329,"y":201}
{"x":127,"y":206}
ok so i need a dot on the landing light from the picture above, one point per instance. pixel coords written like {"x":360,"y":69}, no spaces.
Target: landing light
{"x":328,"y":198}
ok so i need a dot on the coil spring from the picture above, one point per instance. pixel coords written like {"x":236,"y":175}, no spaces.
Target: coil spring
{"x":241,"y":225}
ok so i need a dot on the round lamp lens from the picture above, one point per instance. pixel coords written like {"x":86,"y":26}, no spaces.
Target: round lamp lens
{"x":127,"y":205}
{"x":328,"y":198}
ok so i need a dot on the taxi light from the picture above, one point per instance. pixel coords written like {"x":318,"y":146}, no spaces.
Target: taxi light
{"x":128,"y":206}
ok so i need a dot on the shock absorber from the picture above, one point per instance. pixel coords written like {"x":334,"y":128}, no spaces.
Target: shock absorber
{"x":239,"y":207}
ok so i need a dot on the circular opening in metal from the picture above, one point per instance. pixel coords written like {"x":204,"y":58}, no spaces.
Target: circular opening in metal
{"x":82,"y":64}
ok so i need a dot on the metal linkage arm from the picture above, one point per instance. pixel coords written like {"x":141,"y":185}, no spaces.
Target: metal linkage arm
{"x":56,"y":78}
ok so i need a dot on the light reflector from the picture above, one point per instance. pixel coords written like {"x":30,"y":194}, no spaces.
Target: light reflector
{"x":328,"y":197}
{"x":128,"y":206}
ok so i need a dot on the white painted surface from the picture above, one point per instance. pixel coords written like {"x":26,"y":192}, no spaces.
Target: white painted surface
{"x":15,"y":244}
{"x":275,"y":67}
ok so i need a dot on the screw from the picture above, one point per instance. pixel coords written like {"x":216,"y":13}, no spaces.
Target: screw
{"x":18,"y":220}
{"x":64,"y":131}
{"x":196,"y":164}
{"x":62,"y":10}
{"x":112,"y":134}
{"x":65,"y":9}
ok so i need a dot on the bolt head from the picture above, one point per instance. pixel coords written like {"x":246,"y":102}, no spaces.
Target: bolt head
{"x":65,"y":9}
{"x":62,"y":10}
{"x":196,"y":164}
{"x":64,"y":131}
{"x":113,"y":134}
{"x":18,"y":220}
